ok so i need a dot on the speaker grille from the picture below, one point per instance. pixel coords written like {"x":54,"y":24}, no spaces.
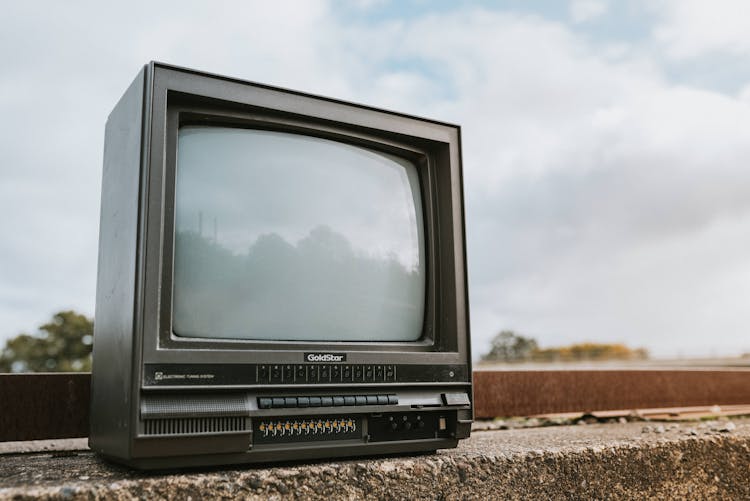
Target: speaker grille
{"x":183,"y":406}
{"x":192,"y":426}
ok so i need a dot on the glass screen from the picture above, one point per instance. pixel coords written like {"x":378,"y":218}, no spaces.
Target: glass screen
{"x":286,"y":237}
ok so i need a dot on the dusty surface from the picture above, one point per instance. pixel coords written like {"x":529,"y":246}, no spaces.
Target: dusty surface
{"x":65,"y":444}
{"x":603,"y":461}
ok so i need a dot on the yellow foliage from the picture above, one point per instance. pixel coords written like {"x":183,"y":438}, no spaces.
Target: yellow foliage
{"x":589,"y":351}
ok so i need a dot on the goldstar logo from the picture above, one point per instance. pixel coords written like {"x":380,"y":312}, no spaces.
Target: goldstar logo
{"x":325,"y":357}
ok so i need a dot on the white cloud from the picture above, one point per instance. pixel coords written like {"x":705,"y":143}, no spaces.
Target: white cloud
{"x":744,"y":94}
{"x":692,"y":28}
{"x":585,"y":176}
{"x":582,"y":11}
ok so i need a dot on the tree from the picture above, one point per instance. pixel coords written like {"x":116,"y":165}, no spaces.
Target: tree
{"x":590,"y":352}
{"x":507,"y":346}
{"x":62,"y":345}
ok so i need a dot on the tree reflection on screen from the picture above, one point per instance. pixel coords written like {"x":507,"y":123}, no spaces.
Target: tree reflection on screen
{"x":319,"y":288}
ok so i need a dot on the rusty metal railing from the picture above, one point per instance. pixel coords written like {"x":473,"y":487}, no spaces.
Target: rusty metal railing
{"x":526,"y":393}
{"x":41,"y":406}
{"x":51,"y":406}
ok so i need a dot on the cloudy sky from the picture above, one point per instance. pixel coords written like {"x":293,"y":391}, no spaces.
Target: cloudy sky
{"x":606,"y":144}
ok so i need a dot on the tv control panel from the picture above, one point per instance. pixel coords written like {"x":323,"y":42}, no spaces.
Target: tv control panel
{"x":374,"y":427}
{"x":307,"y":428}
{"x":160,"y":375}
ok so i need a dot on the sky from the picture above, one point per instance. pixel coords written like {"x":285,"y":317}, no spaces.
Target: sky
{"x":605,"y":145}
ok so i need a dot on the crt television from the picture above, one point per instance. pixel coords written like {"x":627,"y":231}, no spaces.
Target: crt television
{"x":281,"y":276}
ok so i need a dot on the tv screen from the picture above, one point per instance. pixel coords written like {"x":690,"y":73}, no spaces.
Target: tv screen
{"x":288,"y":237}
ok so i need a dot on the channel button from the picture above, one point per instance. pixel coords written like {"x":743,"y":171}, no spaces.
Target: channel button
{"x":265,"y":403}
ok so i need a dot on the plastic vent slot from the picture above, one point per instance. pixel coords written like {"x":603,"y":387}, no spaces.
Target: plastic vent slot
{"x":183,"y":406}
{"x":192,"y":426}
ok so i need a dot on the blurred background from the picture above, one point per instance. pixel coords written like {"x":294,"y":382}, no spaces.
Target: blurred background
{"x":605,"y":149}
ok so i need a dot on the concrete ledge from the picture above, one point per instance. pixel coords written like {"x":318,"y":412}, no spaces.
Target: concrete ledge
{"x":629,"y":460}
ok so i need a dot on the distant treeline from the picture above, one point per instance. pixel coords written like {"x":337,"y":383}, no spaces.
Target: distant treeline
{"x":507,"y":346}
{"x":590,"y":351}
{"x":319,"y":288}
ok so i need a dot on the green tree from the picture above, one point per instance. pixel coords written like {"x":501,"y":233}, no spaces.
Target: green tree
{"x":507,"y":346}
{"x":62,"y":345}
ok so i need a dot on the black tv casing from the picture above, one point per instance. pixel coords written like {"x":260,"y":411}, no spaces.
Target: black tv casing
{"x":161,"y":401}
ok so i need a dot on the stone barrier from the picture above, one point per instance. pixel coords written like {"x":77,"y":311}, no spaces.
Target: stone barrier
{"x":595,"y":461}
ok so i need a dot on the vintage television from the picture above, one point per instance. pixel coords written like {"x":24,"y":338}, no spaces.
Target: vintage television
{"x":281,"y":277}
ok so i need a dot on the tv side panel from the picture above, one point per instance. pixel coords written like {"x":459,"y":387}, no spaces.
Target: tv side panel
{"x":114,"y":324}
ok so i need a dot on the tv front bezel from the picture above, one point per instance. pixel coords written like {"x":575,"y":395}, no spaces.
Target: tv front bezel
{"x":181,"y":97}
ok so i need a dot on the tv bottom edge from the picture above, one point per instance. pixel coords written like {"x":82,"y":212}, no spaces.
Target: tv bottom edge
{"x":179,"y":442}
{"x":271,"y":457}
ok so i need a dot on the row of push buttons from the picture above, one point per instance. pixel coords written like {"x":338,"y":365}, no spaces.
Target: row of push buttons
{"x":333,"y":401}
{"x":318,"y":373}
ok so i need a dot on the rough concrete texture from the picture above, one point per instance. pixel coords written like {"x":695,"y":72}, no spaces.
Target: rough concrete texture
{"x":58,"y":445}
{"x":601,"y":461}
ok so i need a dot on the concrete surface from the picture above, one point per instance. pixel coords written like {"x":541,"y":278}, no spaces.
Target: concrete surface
{"x":695,"y":460}
{"x":64,"y":444}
